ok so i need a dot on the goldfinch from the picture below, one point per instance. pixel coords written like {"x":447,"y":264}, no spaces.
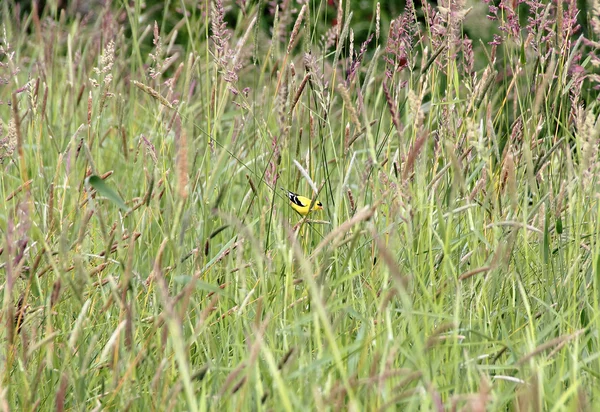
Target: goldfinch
{"x":300,"y":203}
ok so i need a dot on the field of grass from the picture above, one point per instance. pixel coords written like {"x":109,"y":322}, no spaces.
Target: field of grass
{"x":149,"y":259}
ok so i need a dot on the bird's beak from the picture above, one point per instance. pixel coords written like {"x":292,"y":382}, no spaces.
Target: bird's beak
{"x":319,"y":207}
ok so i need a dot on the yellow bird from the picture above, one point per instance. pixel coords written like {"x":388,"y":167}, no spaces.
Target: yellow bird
{"x":300,"y":203}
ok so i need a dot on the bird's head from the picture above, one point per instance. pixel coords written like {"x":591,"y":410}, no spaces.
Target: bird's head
{"x":318,"y":206}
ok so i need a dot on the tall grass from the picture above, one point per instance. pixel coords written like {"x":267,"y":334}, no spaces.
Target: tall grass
{"x":149,"y":260}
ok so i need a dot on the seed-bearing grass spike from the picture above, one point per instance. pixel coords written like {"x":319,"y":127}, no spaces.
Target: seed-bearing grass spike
{"x":301,"y":204}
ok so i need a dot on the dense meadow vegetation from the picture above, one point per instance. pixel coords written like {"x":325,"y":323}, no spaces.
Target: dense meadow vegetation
{"x":149,"y":259}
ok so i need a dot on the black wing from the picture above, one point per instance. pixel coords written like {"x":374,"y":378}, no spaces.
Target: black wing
{"x":294,"y":199}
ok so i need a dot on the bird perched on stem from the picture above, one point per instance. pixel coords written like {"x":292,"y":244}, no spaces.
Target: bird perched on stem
{"x":301,"y":204}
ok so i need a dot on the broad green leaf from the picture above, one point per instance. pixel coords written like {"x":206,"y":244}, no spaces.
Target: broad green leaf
{"x":103,"y":189}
